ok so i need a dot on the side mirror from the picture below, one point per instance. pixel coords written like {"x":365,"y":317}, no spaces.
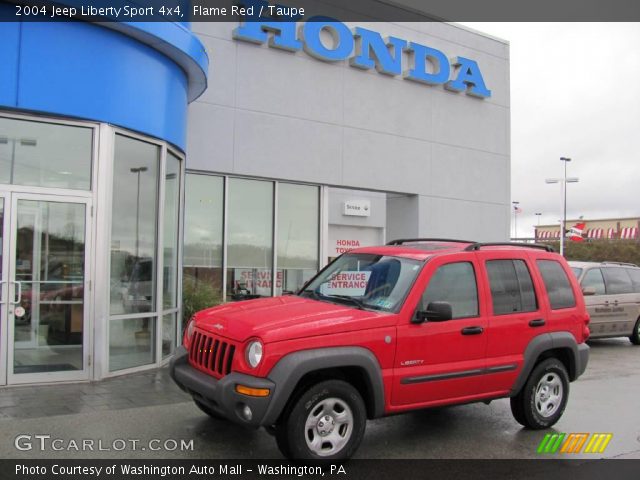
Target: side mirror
{"x":435,"y":312}
{"x":586,"y":291}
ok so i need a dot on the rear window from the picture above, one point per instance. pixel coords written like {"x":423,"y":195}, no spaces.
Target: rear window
{"x":511,"y":287}
{"x":557,"y":284}
{"x":576,"y":271}
{"x":617,"y":280}
{"x":634,"y":273}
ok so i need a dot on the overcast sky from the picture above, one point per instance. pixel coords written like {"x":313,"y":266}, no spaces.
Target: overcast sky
{"x":575,"y":92}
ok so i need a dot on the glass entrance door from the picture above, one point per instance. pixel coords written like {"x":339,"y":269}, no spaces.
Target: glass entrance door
{"x":4,"y":289}
{"x":45,"y":308}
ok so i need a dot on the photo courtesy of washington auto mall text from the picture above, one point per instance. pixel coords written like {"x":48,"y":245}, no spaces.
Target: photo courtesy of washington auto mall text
{"x":281,"y":239}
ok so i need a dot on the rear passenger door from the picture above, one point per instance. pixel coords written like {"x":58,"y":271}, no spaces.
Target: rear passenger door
{"x":598,"y":304}
{"x":620,"y":301}
{"x":515,"y":316}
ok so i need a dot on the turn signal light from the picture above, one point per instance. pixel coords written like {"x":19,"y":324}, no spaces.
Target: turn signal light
{"x":252,"y":392}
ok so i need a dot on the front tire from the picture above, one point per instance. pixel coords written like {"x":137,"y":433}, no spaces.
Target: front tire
{"x":326,"y":422}
{"x":542,"y":400}
{"x":635,"y":336}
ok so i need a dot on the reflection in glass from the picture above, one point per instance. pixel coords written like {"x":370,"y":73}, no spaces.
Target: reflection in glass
{"x":250,"y":245}
{"x":50,"y":248}
{"x":170,"y":237}
{"x":298,"y":235}
{"x":44,"y":154}
{"x":202,"y":281}
{"x":168,"y":334}
{"x":131,"y":342}
{"x":133,"y":231}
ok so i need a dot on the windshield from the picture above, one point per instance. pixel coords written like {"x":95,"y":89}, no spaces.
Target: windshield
{"x":375,"y":282}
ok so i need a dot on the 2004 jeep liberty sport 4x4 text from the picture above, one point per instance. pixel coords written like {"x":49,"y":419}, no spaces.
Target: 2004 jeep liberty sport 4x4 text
{"x":382,"y":330}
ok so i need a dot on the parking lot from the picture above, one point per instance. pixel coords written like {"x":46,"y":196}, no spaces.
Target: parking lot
{"x":148,"y":406}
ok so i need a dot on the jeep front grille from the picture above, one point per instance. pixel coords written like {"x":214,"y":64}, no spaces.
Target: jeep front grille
{"x":211,"y":354}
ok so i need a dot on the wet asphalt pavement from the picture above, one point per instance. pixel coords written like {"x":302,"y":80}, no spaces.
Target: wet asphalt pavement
{"x":148,"y":406}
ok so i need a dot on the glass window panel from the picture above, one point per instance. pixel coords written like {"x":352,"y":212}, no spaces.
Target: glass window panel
{"x":44,"y":154}
{"x":593,"y":278}
{"x":557,"y":284}
{"x":505,"y":289}
{"x":527,"y":292}
{"x":131,"y":342}
{"x":617,"y":280}
{"x":298,"y":231}
{"x":454,"y":283}
{"x":50,"y":248}
{"x":133,"y":230}
{"x":202,"y":263}
{"x":170,"y":237}
{"x":168,"y":334}
{"x":250,"y":246}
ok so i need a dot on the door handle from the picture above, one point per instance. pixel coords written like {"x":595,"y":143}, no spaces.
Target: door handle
{"x":17,"y":292}
{"x":539,"y":322}
{"x":2,"y":300}
{"x":472,"y":331}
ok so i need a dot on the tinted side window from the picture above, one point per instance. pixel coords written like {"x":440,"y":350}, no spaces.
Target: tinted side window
{"x":593,"y":278}
{"x":557,"y":284}
{"x":617,"y":280}
{"x":634,"y":273}
{"x":511,"y":287}
{"x":454,"y":283}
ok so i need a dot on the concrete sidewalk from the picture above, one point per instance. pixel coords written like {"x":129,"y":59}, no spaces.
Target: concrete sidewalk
{"x":154,"y":387}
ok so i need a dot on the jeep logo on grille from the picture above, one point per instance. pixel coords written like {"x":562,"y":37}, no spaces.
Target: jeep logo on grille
{"x":217,"y":326}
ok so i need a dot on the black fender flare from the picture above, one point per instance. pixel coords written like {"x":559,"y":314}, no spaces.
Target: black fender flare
{"x":292,"y":367}
{"x":551,"y":341}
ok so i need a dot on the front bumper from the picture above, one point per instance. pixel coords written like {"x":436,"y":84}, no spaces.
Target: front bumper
{"x":220,"y":394}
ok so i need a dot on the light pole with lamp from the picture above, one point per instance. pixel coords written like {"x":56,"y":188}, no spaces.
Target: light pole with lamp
{"x":563,"y":182}
{"x":138,"y":170}
{"x":515,"y":219}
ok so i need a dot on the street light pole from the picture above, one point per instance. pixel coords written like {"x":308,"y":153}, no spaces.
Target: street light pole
{"x":563,"y":230}
{"x":515,"y":219}
{"x":563,"y":181}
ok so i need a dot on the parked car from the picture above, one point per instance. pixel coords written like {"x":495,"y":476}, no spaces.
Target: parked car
{"x":612,"y":296}
{"x":390,"y":329}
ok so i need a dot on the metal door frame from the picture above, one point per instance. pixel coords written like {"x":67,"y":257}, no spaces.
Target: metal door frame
{"x":8,"y":319}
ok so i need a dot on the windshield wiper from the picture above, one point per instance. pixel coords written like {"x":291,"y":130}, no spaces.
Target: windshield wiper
{"x":352,"y":300}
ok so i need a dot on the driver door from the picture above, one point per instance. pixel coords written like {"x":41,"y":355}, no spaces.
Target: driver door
{"x":442,"y":361}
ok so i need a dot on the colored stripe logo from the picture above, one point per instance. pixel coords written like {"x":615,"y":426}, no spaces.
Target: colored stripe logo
{"x":574,"y":443}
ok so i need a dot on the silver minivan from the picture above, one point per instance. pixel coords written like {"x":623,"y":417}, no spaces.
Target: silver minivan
{"x":612,"y":295}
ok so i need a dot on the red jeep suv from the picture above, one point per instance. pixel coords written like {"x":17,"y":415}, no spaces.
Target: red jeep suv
{"x":382,"y":330}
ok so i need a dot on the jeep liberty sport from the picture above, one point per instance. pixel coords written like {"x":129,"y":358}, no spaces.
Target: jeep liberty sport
{"x":382,"y":330}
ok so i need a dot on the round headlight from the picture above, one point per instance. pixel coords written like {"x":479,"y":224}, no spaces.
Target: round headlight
{"x":191,"y":327}
{"x":254,"y":353}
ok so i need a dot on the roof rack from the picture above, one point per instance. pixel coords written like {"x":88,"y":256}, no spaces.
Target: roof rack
{"x":625,"y":264}
{"x":478,"y":246}
{"x":402,"y":241}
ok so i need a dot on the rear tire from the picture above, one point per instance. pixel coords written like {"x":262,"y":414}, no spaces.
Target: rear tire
{"x":635,"y":336}
{"x":326,"y":422}
{"x":542,"y":400}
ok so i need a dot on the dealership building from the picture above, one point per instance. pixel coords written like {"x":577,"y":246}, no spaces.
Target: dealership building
{"x":144,"y":162}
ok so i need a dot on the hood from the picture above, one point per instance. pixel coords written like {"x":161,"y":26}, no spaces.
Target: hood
{"x":286,"y":318}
